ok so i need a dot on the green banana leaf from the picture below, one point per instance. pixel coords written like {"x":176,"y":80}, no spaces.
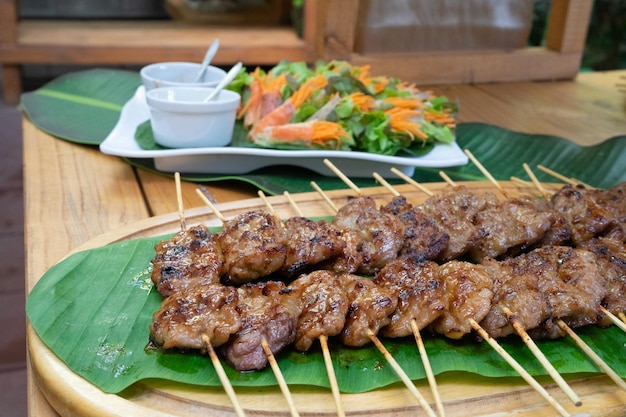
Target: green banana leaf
{"x":84,"y":106}
{"x":94,"y":310}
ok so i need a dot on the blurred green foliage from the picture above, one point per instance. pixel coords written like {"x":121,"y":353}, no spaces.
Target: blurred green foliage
{"x":606,"y":37}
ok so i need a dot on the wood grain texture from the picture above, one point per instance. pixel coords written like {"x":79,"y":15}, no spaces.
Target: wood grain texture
{"x":462,"y":394}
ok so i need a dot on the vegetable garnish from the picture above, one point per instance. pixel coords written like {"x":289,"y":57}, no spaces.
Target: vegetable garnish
{"x":338,"y":106}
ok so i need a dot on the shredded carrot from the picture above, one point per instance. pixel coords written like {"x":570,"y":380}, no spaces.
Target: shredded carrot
{"x":404,"y":102}
{"x":364,"y":102}
{"x":318,"y":132}
{"x":307,"y":89}
{"x":400,"y":121}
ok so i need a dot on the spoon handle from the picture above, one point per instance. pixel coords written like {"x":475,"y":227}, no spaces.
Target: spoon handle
{"x":210,"y":53}
{"x":225,"y":81}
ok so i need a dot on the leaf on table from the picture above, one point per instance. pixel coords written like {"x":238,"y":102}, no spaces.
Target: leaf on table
{"x":94,"y":308}
{"x":81,"y":107}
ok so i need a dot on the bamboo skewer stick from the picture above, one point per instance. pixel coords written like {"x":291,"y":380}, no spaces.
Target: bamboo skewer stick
{"x":485,"y":172}
{"x":519,"y":369}
{"x":330,"y":371}
{"x":403,"y":376}
{"x":571,"y":181}
{"x":293,"y":204}
{"x":412,"y":181}
{"x":592,"y":355}
{"x":279,"y":377}
{"x":179,"y":200}
{"x":536,"y":182}
{"x":219,"y":369}
{"x":619,"y":323}
{"x":427,"y":368}
{"x":541,"y":357}
{"x":327,"y":199}
{"x":342,"y":176}
{"x":268,"y":352}
{"x":447,"y":179}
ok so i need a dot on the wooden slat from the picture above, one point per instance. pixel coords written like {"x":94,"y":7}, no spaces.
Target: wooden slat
{"x":473,"y":66}
{"x":567,"y":25}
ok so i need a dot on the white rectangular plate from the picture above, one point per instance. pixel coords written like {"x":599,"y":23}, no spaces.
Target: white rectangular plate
{"x":242,"y":160}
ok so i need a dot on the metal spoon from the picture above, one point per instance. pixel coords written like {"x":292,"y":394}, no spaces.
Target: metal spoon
{"x":225,"y":81}
{"x":210,"y":53}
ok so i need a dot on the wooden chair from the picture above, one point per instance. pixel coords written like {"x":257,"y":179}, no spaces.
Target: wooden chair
{"x":336,"y":32}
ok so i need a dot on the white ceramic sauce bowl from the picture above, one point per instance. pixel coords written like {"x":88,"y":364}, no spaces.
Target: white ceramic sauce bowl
{"x":180,"y":118}
{"x":178,"y":74}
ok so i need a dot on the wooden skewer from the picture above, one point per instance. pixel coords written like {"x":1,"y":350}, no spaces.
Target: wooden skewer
{"x":592,"y":355}
{"x":405,"y":378}
{"x":446,"y":178}
{"x":427,"y":368}
{"x":334,"y":388}
{"x":261,"y":195}
{"x":619,"y":323}
{"x":342,"y":176}
{"x":179,"y":200}
{"x":518,"y":368}
{"x":411,"y":181}
{"x":293,"y":204}
{"x":485,"y":172}
{"x":321,"y":192}
{"x":330,"y":371}
{"x":541,"y":357}
{"x":385,"y":184}
{"x":219,"y":369}
{"x":222,"y":376}
{"x":279,"y":377}
{"x":622,"y":316}
{"x":217,"y":213}
{"x":536,"y":182}
{"x":571,"y":181}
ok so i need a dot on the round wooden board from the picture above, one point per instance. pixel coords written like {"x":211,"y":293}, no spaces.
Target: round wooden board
{"x":462,"y":394}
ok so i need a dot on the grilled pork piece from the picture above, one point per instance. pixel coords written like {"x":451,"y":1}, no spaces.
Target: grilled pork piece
{"x":470,"y":290}
{"x":369,"y":309}
{"x":324,"y":307}
{"x":454,"y":212}
{"x":268,"y":311}
{"x":191,"y":257}
{"x":571,"y":282}
{"x":421,"y":293}
{"x":423,"y":239}
{"x":379,"y":236}
{"x":184,"y":318}
{"x":585,"y":217}
{"x":611,"y":259}
{"x":511,"y":226}
{"x":310,"y":243}
{"x":516,"y":288}
{"x":253,"y":245}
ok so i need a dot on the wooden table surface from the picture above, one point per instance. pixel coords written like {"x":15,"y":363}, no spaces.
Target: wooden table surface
{"x":74,"y":193}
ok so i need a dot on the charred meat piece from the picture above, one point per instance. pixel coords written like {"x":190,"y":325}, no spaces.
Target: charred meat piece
{"x":324,"y":307}
{"x":470,"y":290}
{"x":380,"y":235}
{"x":511,"y":226}
{"x":611,"y":259}
{"x":517,"y":289}
{"x":268,"y":311}
{"x":309,"y":244}
{"x":584,"y":216}
{"x":253,"y":245}
{"x":421,"y":294}
{"x":454,"y":212}
{"x":613,"y":201}
{"x":571,"y":282}
{"x":185,"y":318}
{"x":191,"y":257}
{"x":423,"y":239}
{"x":369,"y":309}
